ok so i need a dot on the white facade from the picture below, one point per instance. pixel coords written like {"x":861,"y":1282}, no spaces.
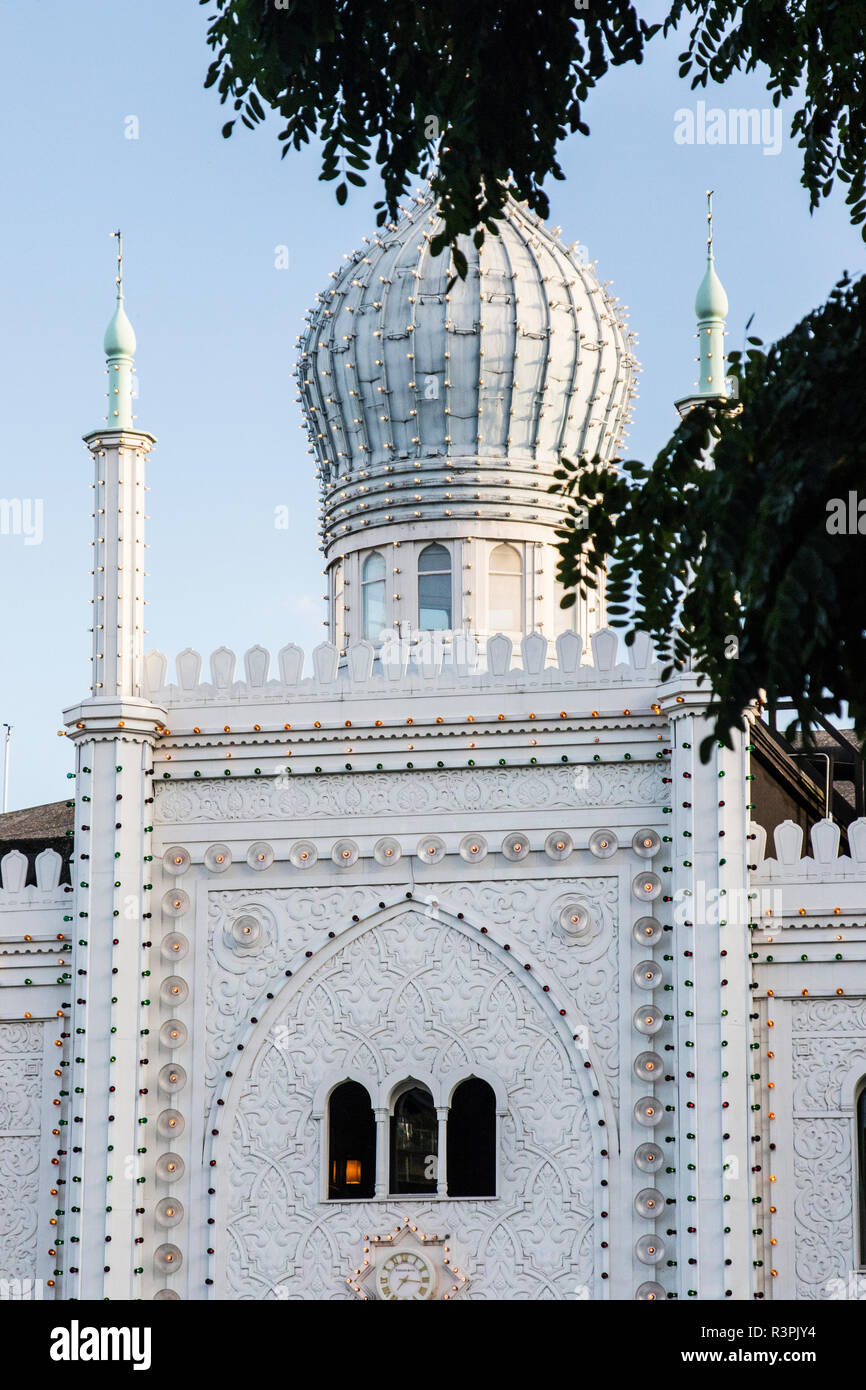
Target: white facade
{"x":414,"y":862}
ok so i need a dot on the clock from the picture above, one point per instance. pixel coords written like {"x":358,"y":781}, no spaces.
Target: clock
{"x":406,"y":1275}
{"x":407,"y":1265}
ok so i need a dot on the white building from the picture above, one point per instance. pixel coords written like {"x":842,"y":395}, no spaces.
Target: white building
{"x":438,"y":966}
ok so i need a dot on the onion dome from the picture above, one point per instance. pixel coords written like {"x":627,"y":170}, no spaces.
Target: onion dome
{"x":454,"y":405}
{"x":119,"y":338}
{"x":711,"y":302}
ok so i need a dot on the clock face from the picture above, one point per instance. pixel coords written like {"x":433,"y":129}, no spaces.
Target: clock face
{"x":406,"y":1275}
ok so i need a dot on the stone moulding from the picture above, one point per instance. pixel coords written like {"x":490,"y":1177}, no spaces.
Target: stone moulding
{"x":825,"y":861}
{"x":399,"y":668}
{"x":13,"y":873}
{"x":377,"y":794}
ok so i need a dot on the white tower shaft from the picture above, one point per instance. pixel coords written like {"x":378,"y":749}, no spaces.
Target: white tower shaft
{"x":118,"y":567}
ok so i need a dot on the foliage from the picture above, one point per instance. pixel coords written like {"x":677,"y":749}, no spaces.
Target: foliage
{"x":812,"y":48}
{"x":727,"y":547}
{"x":475,"y":94}
{"x":479,"y":93}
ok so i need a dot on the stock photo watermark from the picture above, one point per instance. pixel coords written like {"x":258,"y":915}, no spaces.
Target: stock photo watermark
{"x":711,"y":906}
{"x":736,"y":125}
{"x":23,"y":516}
{"x":846,"y":516}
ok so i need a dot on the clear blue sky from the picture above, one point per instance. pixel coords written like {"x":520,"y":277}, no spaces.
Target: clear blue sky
{"x":216,"y":321}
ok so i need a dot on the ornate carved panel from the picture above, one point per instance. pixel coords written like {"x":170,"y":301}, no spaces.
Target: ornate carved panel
{"x":410,"y":994}
{"x":21,"y":1062}
{"x":375,"y":794}
{"x":296,"y":920}
{"x":828,"y":1042}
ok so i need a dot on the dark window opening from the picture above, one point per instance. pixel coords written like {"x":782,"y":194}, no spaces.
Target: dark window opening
{"x":414,"y":1142}
{"x":352,"y":1142}
{"x":472,"y":1140}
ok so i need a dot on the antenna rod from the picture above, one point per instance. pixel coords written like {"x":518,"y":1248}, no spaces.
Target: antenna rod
{"x":119,"y":276}
{"x":6,"y":742}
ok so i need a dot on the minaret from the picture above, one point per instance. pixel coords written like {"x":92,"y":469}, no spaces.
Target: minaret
{"x":114,"y":731}
{"x":711,"y":971}
{"x":711,"y":307}
{"x":119,"y":452}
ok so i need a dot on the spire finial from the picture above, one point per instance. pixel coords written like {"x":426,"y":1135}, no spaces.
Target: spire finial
{"x":119,"y":337}
{"x":119,"y":276}
{"x":711,"y":307}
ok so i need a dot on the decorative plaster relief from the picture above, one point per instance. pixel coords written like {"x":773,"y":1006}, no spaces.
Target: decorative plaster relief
{"x":412,"y":996}
{"x":21,"y":1054}
{"x":828,"y":1042}
{"x":371,"y":795}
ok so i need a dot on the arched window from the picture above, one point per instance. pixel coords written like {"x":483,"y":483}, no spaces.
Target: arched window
{"x":471,"y":1165}
{"x":505,"y":593}
{"x":352,"y":1142}
{"x":373,"y":595}
{"x":414,"y":1141}
{"x":434,"y":588}
{"x":861,"y":1150}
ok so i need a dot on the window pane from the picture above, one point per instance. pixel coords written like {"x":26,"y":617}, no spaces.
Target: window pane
{"x":434,"y":601}
{"x":374,"y":566}
{"x":504,"y":607}
{"x":504,"y":559}
{"x":505,"y":592}
{"x":434,"y":588}
{"x":414,"y":1142}
{"x":352,"y":1143}
{"x":472,"y":1140}
{"x":374,"y":609}
{"x":435,"y":557}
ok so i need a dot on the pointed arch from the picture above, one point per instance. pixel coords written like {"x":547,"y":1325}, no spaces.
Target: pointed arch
{"x":471,"y":1150}
{"x":351,"y":1142}
{"x":413,"y":1140}
{"x":258,"y":1130}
